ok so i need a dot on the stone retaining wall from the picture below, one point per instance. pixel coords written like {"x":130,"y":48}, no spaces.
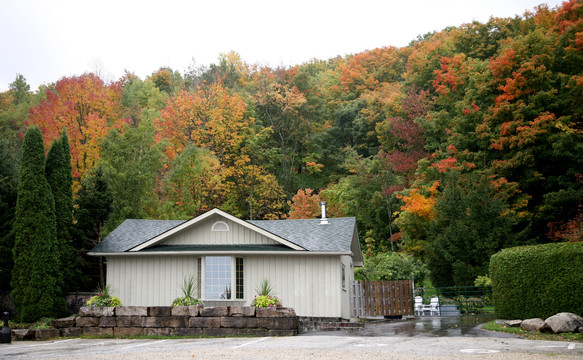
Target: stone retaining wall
{"x":179,"y":321}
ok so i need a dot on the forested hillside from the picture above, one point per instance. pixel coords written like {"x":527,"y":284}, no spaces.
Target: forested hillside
{"x":467,"y":141}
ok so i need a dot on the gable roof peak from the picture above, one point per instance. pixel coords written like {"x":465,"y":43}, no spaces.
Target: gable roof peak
{"x":215,"y":211}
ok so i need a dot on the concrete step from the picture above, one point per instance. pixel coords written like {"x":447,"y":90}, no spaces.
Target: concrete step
{"x":449,"y":310}
{"x":331,"y":326}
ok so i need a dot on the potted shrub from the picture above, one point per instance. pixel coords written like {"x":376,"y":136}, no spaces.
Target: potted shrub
{"x":265,"y":297}
{"x":188,"y":291}
{"x":104,"y":298}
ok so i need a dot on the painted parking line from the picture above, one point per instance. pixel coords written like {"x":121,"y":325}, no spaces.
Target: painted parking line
{"x":249,"y":343}
{"x":571,"y":346}
{"x":371,"y":345}
{"x":143,"y":344}
{"x":479,"y":351}
{"x":48,"y":343}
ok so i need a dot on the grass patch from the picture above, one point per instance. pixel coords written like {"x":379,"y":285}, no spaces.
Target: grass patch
{"x":532,"y":335}
{"x":43,"y":323}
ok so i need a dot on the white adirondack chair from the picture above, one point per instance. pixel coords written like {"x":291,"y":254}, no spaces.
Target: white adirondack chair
{"x":418,"y":305}
{"x":434,"y":305}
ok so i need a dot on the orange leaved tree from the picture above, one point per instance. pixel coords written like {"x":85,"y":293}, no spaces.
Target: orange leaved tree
{"x":88,"y":108}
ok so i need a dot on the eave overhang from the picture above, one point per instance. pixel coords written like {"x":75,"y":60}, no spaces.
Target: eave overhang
{"x":230,"y":253}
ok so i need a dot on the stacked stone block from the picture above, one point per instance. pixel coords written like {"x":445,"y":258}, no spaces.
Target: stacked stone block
{"x":180,"y":321}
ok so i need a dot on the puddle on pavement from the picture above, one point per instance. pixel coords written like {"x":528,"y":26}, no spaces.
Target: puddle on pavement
{"x":440,"y":326}
{"x":427,"y":326}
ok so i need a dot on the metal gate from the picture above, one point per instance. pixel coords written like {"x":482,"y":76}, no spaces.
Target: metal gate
{"x":382,"y":298}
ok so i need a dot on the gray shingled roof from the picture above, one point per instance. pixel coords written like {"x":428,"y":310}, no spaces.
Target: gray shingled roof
{"x":308,"y":233}
{"x":133,"y":232}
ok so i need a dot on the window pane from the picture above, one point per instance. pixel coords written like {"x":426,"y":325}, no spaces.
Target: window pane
{"x":239,"y":278}
{"x":218,"y":277}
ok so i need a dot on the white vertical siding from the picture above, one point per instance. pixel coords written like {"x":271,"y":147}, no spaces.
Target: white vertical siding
{"x":309,"y":284}
{"x":202,"y":234}
{"x":349,"y":278}
{"x":312,"y":285}
{"x":149,"y":280}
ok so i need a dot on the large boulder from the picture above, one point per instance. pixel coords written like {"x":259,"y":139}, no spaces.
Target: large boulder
{"x":509,"y":323}
{"x":564,"y":322}
{"x":64,"y":322}
{"x":532,"y":324}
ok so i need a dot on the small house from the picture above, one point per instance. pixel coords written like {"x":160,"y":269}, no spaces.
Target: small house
{"x":309,"y":263}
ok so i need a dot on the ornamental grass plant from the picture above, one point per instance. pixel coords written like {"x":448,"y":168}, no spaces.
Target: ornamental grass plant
{"x":188,"y":288}
{"x":265,"y":297}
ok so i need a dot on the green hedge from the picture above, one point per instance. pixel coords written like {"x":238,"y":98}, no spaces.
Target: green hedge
{"x":538,"y":281}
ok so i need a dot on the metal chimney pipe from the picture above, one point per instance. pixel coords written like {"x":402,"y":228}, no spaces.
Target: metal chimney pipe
{"x":323,"y":220}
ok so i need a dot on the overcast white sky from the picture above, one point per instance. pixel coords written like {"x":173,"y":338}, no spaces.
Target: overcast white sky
{"x":45,"y":40}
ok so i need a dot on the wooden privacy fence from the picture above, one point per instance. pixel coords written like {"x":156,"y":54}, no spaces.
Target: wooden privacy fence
{"x":382,"y":298}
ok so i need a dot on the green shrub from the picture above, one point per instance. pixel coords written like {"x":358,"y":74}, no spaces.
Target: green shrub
{"x":390,"y":267}
{"x":42,"y":323}
{"x":483,"y":281}
{"x":538,"y":281}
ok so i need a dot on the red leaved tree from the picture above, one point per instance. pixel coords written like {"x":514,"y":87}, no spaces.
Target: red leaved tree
{"x":88,"y":108}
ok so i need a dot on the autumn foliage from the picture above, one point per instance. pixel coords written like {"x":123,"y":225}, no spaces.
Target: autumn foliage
{"x":88,"y":109}
{"x":476,"y":124}
{"x":210,"y":118}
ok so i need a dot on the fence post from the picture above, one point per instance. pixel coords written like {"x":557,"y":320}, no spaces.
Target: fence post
{"x":438,"y":300}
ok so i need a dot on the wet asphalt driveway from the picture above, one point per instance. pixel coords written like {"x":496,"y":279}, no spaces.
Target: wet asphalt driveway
{"x":425,"y":326}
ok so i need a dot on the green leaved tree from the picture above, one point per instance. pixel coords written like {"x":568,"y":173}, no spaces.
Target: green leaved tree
{"x":36,"y":277}
{"x":131,"y":162}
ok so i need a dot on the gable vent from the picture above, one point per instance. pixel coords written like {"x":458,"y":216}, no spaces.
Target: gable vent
{"x":220,"y":226}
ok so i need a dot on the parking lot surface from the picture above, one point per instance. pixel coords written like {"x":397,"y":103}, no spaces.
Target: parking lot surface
{"x":297,"y":347}
{"x":425,"y":338}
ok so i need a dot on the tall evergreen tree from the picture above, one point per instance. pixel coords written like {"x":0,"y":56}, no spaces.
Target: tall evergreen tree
{"x":59,"y":175}
{"x":8,"y":190}
{"x":468,"y":229}
{"x":37,"y":264}
{"x":94,"y":205}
